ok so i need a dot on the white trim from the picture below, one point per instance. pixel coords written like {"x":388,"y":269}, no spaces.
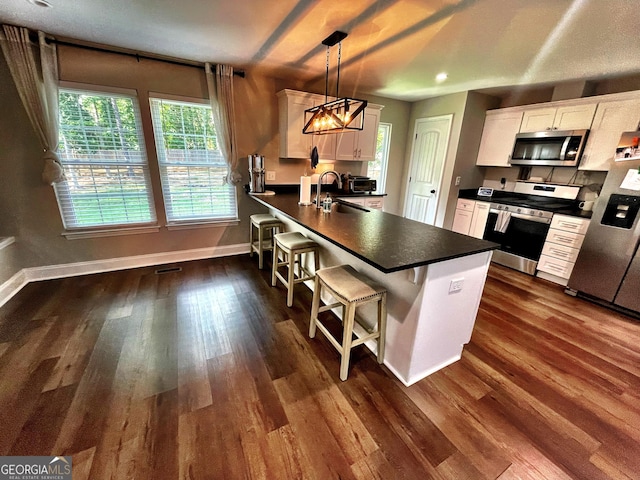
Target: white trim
{"x":6,"y":241}
{"x":12,"y":286}
{"x":178,"y":98}
{"x":97,"y":88}
{"x":209,"y":224}
{"x":49,"y":272}
{"x":74,"y":235}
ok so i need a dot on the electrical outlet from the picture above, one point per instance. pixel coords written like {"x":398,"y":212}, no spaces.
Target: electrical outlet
{"x":458,"y":179}
{"x":271,"y":175}
{"x":456,"y":285}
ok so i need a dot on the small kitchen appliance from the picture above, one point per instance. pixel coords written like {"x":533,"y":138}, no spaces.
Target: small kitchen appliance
{"x":359,"y":184}
{"x":608,"y":266}
{"x":256,"y":173}
{"x":553,"y":148}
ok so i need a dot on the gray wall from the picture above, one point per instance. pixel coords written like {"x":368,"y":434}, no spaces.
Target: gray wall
{"x":28,"y":208}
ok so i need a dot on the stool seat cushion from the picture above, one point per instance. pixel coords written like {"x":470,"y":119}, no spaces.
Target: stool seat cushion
{"x":294,"y":241}
{"x":264,"y":219}
{"x":349,"y":284}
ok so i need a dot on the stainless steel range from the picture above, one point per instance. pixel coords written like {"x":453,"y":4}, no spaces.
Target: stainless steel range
{"x":519,"y":221}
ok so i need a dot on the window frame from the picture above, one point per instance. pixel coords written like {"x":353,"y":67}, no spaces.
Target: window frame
{"x":177,"y":223}
{"x":110,"y":229}
{"x":384,"y":160}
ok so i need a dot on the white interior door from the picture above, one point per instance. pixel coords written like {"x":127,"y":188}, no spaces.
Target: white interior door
{"x":430,"y":143}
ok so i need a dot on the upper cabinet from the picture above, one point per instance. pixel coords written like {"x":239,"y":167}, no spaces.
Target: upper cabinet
{"x":605,"y":116}
{"x":611,"y":119}
{"x":566,"y":117}
{"x":351,"y":145}
{"x":500,"y":128}
{"x":291,"y":107}
{"x":360,"y":144}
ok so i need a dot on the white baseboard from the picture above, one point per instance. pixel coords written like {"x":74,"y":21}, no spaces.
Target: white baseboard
{"x":48,"y":272}
{"x":12,"y":286}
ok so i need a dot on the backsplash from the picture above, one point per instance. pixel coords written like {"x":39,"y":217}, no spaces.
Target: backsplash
{"x":559,"y":175}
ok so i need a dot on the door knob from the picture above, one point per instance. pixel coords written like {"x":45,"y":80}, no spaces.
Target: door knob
{"x":433,"y":191}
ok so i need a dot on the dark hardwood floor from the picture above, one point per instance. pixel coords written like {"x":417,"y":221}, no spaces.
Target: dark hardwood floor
{"x":206,"y":374}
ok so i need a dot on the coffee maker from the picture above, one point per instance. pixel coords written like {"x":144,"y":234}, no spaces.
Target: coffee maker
{"x":256,"y":173}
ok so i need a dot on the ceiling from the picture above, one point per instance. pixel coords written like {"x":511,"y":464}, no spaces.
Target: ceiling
{"x":394,"y":48}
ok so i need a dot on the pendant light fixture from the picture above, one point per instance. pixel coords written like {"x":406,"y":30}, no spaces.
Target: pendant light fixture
{"x":337,"y":115}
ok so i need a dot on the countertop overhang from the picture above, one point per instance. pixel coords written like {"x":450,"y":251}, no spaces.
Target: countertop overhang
{"x":385,"y":241}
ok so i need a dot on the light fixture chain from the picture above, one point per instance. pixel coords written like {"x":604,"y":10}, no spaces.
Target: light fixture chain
{"x":326,"y":78}
{"x":338,"y":79}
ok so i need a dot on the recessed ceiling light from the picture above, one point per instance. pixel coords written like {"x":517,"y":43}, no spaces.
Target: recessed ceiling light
{"x":441,"y":77}
{"x":41,"y":3}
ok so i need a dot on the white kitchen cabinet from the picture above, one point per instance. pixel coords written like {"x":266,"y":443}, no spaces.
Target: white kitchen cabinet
{"x":352,"y":145}
{"x":565,"y":117}
{"x":611,"y":119}
{"x":479,"y":219}
{"x":464,"y":216}
{"x":561,"y":248}
{"x":360,"y":145}
{"x":291,"y":107}
{"x":498,"y":135}
{"x":376,"y":203}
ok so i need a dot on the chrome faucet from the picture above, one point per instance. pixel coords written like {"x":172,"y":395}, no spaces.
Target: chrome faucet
{"x":335,"y":174}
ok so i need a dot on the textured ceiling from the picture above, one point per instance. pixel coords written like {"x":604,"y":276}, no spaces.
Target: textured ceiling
{"x":394,"y":48}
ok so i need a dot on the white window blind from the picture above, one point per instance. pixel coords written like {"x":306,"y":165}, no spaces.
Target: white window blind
{"x":105,"y":162}
{"x":192,"y":169}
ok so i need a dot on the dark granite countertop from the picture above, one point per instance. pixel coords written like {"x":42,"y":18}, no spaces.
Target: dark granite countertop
{"x":385,"y":241}
{"x":472,"y":194}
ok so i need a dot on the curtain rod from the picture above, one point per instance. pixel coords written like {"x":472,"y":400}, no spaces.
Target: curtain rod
{"x":138,"y":56}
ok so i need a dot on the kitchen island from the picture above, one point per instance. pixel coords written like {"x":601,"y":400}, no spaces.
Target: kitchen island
{"x":434,"y":277}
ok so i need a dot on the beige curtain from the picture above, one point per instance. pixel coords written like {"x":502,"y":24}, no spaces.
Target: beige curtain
{"x":221,"y":97}
{"x":38,"y":89}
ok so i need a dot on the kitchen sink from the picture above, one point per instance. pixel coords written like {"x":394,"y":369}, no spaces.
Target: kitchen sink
{"x":348,"y":208}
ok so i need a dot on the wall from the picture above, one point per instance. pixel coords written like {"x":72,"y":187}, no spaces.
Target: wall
{"x":454,"y":104}
{"x":28,"y":208}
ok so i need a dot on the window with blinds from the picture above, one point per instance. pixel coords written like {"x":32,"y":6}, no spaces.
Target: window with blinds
{"x":105,"y":162}
{"x":192,"y":168}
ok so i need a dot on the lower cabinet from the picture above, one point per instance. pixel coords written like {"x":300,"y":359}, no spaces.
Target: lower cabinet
{"x":561,"y":248}
{"x":375,"y":203}
{"x":471,"y":217}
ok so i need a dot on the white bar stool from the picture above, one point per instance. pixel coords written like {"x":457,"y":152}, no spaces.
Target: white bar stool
{"x":263,"y":222}
{"x":292,"y":245}
{"x":351,"y":289}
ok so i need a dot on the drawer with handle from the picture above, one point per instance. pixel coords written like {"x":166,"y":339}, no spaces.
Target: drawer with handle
{"x":464,"y":204}
{"x":568,"y":239}
{"x":570,"y":224}
{"x":554,"y":266}
{"x":560,"y":252}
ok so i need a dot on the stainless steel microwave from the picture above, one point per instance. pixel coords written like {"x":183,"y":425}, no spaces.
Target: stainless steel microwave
{"x":555,"y":148}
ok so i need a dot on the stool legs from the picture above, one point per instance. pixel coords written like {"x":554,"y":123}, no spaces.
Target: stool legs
{"x":348,"y":323}
{"x":382,"y":326}
{"x":315,"y":304}
{"x":347,"y":339}
{"x":291,"y":257}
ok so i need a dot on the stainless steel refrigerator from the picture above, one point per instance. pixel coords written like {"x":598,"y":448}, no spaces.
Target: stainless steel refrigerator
{"x":608,"y":266}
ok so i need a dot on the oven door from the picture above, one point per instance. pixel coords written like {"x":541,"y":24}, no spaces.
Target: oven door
{"x":521,"y":242}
